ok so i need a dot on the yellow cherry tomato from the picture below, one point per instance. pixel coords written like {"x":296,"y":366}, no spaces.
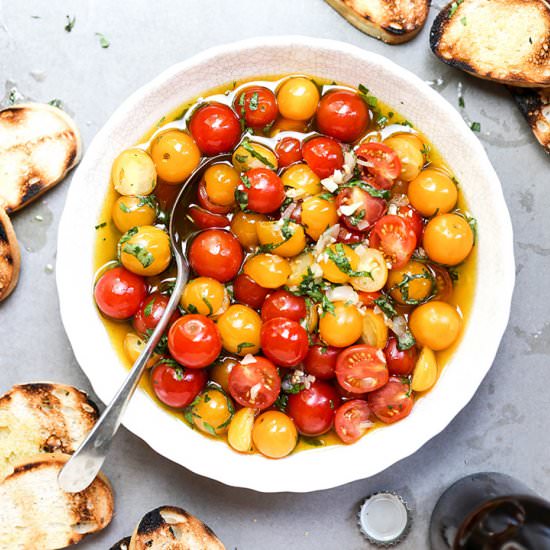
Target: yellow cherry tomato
{"x":212,"y":412}
{"x":372,"y":261}
{"x":287,"y":125}
{"x":131,"y":211}
{"x":175,"y":155}
{"x":337,"y":261}
{"x":145,"y":250}
{"x":240,"y":328}
{"x":268,"y":270}
{"x":244,"y":159}
{"x":318,"y":214}
{"x":435,"y":324}
{"x":448,"y":239}
{"x":298,"y":98}
{"x":206,"y":296}
{"x":220,"y":182}
{"x":432,"y":192}
{"x":411,"y":283}
{"x":312,"y":317}
{"x":374,"y":331}
{"x":134,"y":173}
{"x":302,"y":179}
{"x":274,"y":434}
{"x":243,"y":226}
{"x":409,"y":150}
{"x":425,"y":371}
{"x":220,"y":372}
{"x":299,"y":268}
{"x":239,"y":435}
{"x":133,"y":345}
{"x":286,"y":240}
{"x":342,"y":327}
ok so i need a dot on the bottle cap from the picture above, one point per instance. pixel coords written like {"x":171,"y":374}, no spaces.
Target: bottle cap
{"x":384,"y":519}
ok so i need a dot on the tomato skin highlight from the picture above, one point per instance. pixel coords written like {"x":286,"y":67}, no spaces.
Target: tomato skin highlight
{"x":215,"y":128}
{"x":320,"y":361}
{"x":177,"y":386}
{"x":361,"y":368}
{"x":284,"y":304}
{"x":289,"y":151}
{"x":323,"y":155}
{"x":284,"y":342}
{"x":264,"y":108}
{"x":400,"y":362}
{"x":150,"y":312}
{"x":414,"y":219}
{"x":248,"y":292}
{"x":352,"y":420}
{"x":207,"y":220}
{"x":392,"y":402}
{"x":395,"y":237}
{"x":265,"y":193}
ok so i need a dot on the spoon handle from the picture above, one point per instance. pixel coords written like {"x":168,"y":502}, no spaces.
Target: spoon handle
{"x":84,"y":465}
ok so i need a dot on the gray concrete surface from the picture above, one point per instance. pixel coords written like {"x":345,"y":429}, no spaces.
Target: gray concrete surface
{"x":505,"y":426}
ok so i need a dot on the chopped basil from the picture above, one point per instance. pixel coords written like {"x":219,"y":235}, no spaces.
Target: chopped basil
{"x":144,"y":257}
{"x":338,"y":256}
{"x":453,"y":273}
{"x":103,"y":41}
{"x":371,"y":190}
{"x":407,"y":123}
{"x":326,"y":196}
{"x":209,"y":428}
{"x":128,"y":235}
{"x":403,"y":287}
{"x":385,"y":303}
{"x":161,"y":121}
{"x":242,"y":199}
{"x":454,"y":7}
{"x":281,"y":402}
{"x":354,"y":219}
{"x":472,"y":222}
{"x":267,"y":128}
{"x":425,"y":149}
{"x":286,"y":230}
{"x":162,"y":345}
{"x":464,"y":21}
{"x":253,"y":103}
{"x":405,"y":341}
{"x":149,"y":307}
{"x":208,"y":305}
{"x":245,"y":179}
{"x":100,"y":225}
{"x":249,"y":148}
{"x":475,"y":127}
{"x":56,"y":103}
{"x":192,"y":309}
{"x":313,"y":290}
{"x":207,"y":398}
{"x":241,"y":158}
{"x":313,"y":441}
{"x":70,"y":23}
{"x":245,"y":345}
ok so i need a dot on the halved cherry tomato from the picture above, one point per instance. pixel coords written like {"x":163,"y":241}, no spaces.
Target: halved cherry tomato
{"x":194,"y":341}
{"x":368,"y":209}
{"x":177,"y":386}
{"x":284,"y":304}
{"x":443,"y":282}
{"x":320,"y":361}
{"x":312,"y":409}
{"x":395,"y":237}
{"x":368,"y":298}
{"x":215,"y":128}
{"x":352,"y":420}
{"x":412,"y":216}
{"x":255,"y":384}
{"x":400,"y":362}
{"x":204,"y":200}
{"x":257,"y":105}
{"x":150,"y":311}
{"x":347,"y":236}
{"x":323,"y":155}
{"x":249,"y":292}
{"x":285,"y":342}
{"x":361,"y":368}
{"x":378,"y":159}
{"x":289,"y":151}
{"x":393,"y":401}
{"x":205,"y":219}
{"x":263,"y":192}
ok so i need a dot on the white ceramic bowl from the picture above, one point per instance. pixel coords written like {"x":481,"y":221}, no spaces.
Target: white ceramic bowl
{"x":318,"y":468}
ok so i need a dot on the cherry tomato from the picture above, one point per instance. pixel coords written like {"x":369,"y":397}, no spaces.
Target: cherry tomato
{"x":177,"y":386}
{"x":448,"y":239}
{"x":132,"y":211}
{"x":379,"y":160}
{"x":317,"y":214}
{"x":255,"y":384}
{"x":432,"y":192}
{"x":361,"y":368}
{"x":435,"y":324}
{"x":119,"y":293}
{"x":312,"y":409}
{"x":215,"y":128}
{"x":368,"y":298}
{"x":323,"y":155}
{"x":283,"y":341}
{"x":298,"y":98}
{"x":204,"y":200}
{"x":150,"y":311}
{"x":207,"y":220}
{"x":400,"y":362}
{"x":352,"y":420}
{"x":343,"y":115}
{"x":443,"y":282}
{"x":394,"y":236}
{"x":289,"y":151}
{"x":145,"y":250}
{"x":409,"y":214}
{"x":240,"y":329}
{"x":268,"y":270}
{"x":370,"y":208}
{"x":274,"y":434}
{"x":211,"y":412}
{"x":216,"y":253}
{"x":175,"y":155}
{"x":248,"y":292}
{"x":409,"y":150}
{"x":411,"y":284}
{"x":194,"y":341}
{"x":220,"y":371}
{"x":257,"y":106}
{"x":284,"y":304}
{"x":264,"y":191}
{"x":320,"y":361}
{"x":342,"y":327}
{"x":347,"y":236}
{"x":393,"y":401}
{"x":220,"y":182}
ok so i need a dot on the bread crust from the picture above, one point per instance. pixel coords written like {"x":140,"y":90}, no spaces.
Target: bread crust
{"x":534,"y":104}
{"x":10,"y":256}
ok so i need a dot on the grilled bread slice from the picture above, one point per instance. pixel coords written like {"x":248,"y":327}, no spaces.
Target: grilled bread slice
{"x":392,"y":21}
{"x":171,"y":528}
{"x":39,"y":144}
{"x":507,"y":41}
{"x":42,"y":418}
{"x":123,"y":544}
{"x":535,"y":106}
{"x":36,"y":514}
{"x":10,"y":258}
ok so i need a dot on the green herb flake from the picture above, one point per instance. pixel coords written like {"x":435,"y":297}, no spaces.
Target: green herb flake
{"x":246,"y":181}
{"x":243,"y":345}
{"x":454,"y":7}
{"x":326,"y":196}
{"x":286,"y":230}
{"x":207,"y":398}
{"x":313,"y":441}
{"x":405,"y":341}
{"x":464,"y":21}
{"x":70,"y":23}
{"x":338,"y":256}
{"x":385,"y":303}
{"x":100,"y":225}
{"x":530,"y":40}
{"x":103,"y":40}
{"x":128,"y":235}
{"x":475,"y":127}
{"x":56,"y":103}
{"x":144,"y":257}
{"x":149,"y":307}
{"x":407,"y":123}
{"x":242,"y":199}
{"x":208,"y":428}
{"x":354,"y":219}
{"x":241,"y":159}
{"x":403,"y":287}
{"x":192,"y":309}
{"x":253,"y":103}
{"x":249,"y":148}
{"x":281,"y":402}
{"x":208,"y":305}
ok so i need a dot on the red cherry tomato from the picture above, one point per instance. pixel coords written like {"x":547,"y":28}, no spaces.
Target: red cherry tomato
{"x":368,"y":298}
{"x":177,"y":386}
{"x":320,"y":361}
{"x":413,"y":217}
{"x":256,"y":384}
{"x":206,"y":220}
{"x":284,"y":304}
{"x":249,"y":292}
{"x":119,"y":293}
{"x":343,"y":115}
{"x":206,"y":203}
{"x":216,"y":253}
{"x":194,"y":341}
{"x":378,"y":159}
{"x":265,"y":192}
{"x":371,"y":209}
{"x":283,"y":341}
{"x":323,"y":155}
{"x":313,"y":409}
{"x":215,"y":128}
{"x":347,"y":236}
{"x":361,"y":368}
{"x":400,"y":362}
{"x":395,"y":237}
{"x":289,"y":151}
{"x":257,"y":106}
{"x":392,"y":402}
{"x":352,"y":420}
{"x":150,"y":311}
{"x":443,"y":283}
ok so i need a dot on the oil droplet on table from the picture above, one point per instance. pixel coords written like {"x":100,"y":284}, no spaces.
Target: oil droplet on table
{"x":32,"y":232}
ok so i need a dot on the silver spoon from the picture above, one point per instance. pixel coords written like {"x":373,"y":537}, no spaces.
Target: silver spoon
{"x":84,"y":465}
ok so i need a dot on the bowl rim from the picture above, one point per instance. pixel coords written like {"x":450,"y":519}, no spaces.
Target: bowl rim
{"x":275,"y":478}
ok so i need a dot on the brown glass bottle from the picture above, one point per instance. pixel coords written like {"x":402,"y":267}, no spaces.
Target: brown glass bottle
{"x":490,"y":511}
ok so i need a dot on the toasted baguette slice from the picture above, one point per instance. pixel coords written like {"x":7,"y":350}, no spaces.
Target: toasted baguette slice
{"x":123,"y":544}
{"x":171,"y":528}
{"x":535,"y":106}
{"x":392,"y":21}
{"x":507,"y":41}
{"x":39,"y":144}
{"x":36,"y":514}
{"x":10,"y":258}
{"x":42,"y":418}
